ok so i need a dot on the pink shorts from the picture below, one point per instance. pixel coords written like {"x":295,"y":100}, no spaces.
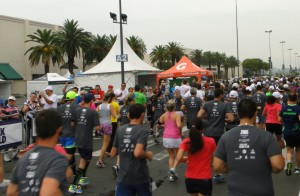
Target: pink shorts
{"x":106,"y":129}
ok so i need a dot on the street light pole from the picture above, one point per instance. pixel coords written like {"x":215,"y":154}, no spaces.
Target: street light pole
{"x":282,"y":42}
{"x":296,"y":60}
{"x":121,"y":36}
{"x":122,"y":20}
{"x":290,"y":49}
{"x":237,"y":37}
{"x":270,"y":59}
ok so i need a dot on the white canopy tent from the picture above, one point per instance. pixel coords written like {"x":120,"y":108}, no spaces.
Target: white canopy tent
{"x":108,"y":71}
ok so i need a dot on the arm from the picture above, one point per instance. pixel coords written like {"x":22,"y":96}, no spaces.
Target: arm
{"x":113,"y":152}
{"x":139,"y":152}
{"x":113,"y":111}
{"x":49,"y":187}
{"x":12,"y":190}
{"x":264,"y":113}
{"x":219,"y":165}
{"x":64,"y":90}
{"x":180,"y":156}
{"x":201,"y":113}
{"x":230,"y":117}
{"x":178,"y":120}
{"x":277,"y":163}
{"x":47,"y":100}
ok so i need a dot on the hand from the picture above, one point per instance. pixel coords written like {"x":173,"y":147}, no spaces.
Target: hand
{"x":149,"y":155}
{"x":67,"y":83}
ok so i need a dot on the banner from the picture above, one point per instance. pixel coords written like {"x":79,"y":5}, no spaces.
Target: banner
{"x":10,"y":133}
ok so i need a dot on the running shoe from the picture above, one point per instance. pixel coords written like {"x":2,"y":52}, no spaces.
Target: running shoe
{"x":83,"y":181}
{"x":115,"y":170}
{"x":218,"y":179}
{"x":6,"y":157}
{"x":100,"y":164}
{"x":297,"y":171}
{"x":288,"y":170}
{"x":4,"y":184}
{"x":172,"y":176}
{"x":75,"y":189}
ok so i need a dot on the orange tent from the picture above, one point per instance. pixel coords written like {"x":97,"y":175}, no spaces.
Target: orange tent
{"x":184,"y":68}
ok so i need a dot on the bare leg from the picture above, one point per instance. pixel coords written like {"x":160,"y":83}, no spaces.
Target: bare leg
{"x":289,"y":153}
{"x":106,"y":140}
{"x":298,"y":157}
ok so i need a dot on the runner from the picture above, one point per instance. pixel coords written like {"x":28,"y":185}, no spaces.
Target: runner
{"x":130,"y":144}
{"x":290,"y":115}
{"x":85,"y":120}
{"x":232,"y":104}
{"x":42,"y":170}
{"x":200,"y":149}
{"x":172,"y":136}
{"x":260,"y":99}
{"x":249,"y":155}
{"x":158,"y":108}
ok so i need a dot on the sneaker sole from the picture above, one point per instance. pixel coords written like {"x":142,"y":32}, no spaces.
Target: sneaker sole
{"x":115,"y":173}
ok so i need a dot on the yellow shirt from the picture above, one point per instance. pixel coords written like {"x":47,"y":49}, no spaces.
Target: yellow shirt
{"x":117,"y":109}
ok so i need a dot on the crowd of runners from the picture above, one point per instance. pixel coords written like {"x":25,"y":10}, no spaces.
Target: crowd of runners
{"x":231,"y":126}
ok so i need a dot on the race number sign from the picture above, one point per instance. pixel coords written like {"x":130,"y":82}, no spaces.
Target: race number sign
{"x":10,"y":133}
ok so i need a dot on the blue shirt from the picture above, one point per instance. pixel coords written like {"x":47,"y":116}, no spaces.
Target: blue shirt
{"x":290,"y":119}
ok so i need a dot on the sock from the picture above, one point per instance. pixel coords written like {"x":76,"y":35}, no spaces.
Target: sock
{"x":172,"y":169}
{"x":85,"y":168}
{"x":289,"y":161}
{"x":77,"y":176}
{"x":72,"y":164}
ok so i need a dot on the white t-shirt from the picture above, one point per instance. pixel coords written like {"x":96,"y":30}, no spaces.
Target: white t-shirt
{"x":53,"y":98}
{"x":124,"y":93}
{"x":184,"y":89}
{"x":199,"y":94}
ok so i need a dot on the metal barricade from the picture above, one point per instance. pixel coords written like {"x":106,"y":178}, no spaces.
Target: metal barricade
{"x":30,"y":115}
{"x":11,"y":133}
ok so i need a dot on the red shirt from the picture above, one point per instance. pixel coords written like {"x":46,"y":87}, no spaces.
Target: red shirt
{"x":199,"y":163}
{"x":272,"y":111}
{"x":98,"y":94}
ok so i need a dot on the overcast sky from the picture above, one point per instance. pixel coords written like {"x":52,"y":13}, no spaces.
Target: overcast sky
{"x":196,"y":24}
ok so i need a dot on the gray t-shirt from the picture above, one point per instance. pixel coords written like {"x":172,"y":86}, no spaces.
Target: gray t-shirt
{"x":35,"y":165}
{"x":66,"y":111}
{"x":246,"y":150}
{"x":192,"y":105}
{"x":86,"y":119}
{"x":215,"y":115}
{"x":260,"y":100}
{"x":132,"y":170}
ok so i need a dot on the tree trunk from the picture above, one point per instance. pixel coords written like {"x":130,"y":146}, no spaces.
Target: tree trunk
{"x":71,"y":64}
{"x":47,"y":68}
{"x":232,"y":71}
{"x":219,"y":71}
{"x":226,"y":73}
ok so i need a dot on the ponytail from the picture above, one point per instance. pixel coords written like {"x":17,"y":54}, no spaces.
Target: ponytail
{"x":196,"y":142}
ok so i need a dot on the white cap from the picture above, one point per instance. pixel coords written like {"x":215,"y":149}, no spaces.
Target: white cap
{"x":249,"y":88}
{"x":235,"y":85}
{"x":277,"y":95}
{"x":11,"y":98}
{"x":252,"y":85}
{"x":177,"y":88}
{"x":233,"y":94}
{"x":286,"y":86}
{"x":258,"y":84}
{"x":281,"y":79}
{"x":264,"y":82}
{"x":49,"y":88}
{"x":271,"y":88}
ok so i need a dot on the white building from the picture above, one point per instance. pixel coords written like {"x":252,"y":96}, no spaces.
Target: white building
{"x":13,"y":64}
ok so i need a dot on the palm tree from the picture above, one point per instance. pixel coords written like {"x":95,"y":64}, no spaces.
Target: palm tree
{"x":232,"y":62}
{"x":219,"y":60}
{"x":208,"y":59}
{"x":111,"y":40}
{"x":175,"y":51}
{"x":72,"y":39}
{"x":47,"y":49}
{"x":137,"y":45}
{"x":196,"y":57}
{"x":159,"y":55}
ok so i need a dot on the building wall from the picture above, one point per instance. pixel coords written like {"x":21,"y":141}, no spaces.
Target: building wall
{"x":13,"y":34}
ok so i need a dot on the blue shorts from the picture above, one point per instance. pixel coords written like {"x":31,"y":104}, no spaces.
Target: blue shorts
{"x":67,"y":142}
{"x":144,"y":189}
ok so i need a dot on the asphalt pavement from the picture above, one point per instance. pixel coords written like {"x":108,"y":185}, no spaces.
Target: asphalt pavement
{"x":102,"y":181}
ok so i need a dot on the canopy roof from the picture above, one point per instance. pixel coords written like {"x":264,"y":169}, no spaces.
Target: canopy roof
{"x":185,"y":67}
{"x":9,"y":73}
{"x":52,"y":77}
{"x":109,"y":64}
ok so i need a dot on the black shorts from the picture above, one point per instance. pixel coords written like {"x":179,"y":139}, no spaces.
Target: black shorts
{"x":198,"y":186}
{"x":292,"y":140}
{"x":274,"y":128}
{"x":85,"y":154}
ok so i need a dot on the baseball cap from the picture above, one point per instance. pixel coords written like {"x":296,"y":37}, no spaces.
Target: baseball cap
{"x":49,"y":88}
{"x":286,"y":86}
{"x":277,"y":95}
{"x":271,"y":88}
{"x":235,"y":85}
{"x":249,"y":88}
{"x":70,"y":95}
{"x":11,"y":98}
{"x":177,"y":88}
{"x":233,"y":94}
{"x":88,"y":97}
{"x":110,"y":86}
{"x":258,"y":84}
